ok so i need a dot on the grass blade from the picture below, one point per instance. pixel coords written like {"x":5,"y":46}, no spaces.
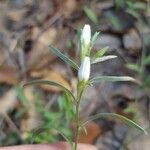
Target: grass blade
{"x":67,"y":60}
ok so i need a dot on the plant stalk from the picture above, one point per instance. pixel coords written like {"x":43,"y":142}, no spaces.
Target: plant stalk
{"x":77,"y":124}
{"x":80,"y":88}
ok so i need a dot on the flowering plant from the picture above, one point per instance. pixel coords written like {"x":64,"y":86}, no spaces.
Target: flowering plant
{"x":84,"y":79}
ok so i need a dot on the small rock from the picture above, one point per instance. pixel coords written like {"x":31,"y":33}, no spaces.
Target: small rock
{"x":107,"y":40}
{"x":131,"y":40}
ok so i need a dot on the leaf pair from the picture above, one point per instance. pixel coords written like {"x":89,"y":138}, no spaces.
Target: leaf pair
{"x":101,"y":115}
{"x":99,"y":56}
{"x":95,"y":59}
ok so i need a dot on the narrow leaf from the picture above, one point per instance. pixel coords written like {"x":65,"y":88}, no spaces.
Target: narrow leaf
{"x":90,"y":14}
{"x":110,"y":78}
{"x":134,"y":67}
{"x":104,"y":58}
{"x":118,"y":117}
{"x":139,"y":6}
{"x":94,"y":37}
{"x":84,"y":128}
{"x":146,"y":61}
{"x":146,"y":82}
{"x":100,"y":52}
{"x":133,"y":13}
{"x":51,"y":83}
{"x":67,"y":60}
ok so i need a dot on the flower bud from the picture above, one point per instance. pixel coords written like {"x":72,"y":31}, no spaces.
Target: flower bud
{"x":85,"y":40}
{"x":86,"y":34}
{"x":84,"y":70}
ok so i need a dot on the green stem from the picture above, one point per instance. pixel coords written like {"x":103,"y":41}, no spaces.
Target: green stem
{"x":80,"y":88}
{"x":77,"y":124}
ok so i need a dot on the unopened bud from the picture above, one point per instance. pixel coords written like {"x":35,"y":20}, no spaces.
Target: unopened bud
{"x":86,"y":35}
{"x":84,"y":70}
{"x":85,"y":40}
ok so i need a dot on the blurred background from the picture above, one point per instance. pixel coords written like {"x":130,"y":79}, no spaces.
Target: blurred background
{"x":28,"y":115}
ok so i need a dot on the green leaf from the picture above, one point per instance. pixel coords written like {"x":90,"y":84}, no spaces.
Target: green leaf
{"x":104,"y":58}
{"x":146,"y":61}
{"x":64,"y":57}
{"x":42,"y":129}
{"x":84,"y":128}
{"x":146,"y":82}
{"x":51,"y":83}
{"x":133,"y":13}
{"x":134,"y":67}
{"x":114,"y":20}
{"x":132,"y":108}
{"x":118,"y":117}
{"x":110,"y":78}
{"x":119,"y":4}
{"x":139,"y":6}
{"x":100,"y":52}
{"x":22,"y":98}
{"x":65,"y":105}
{"x":94,"y":37}
{"x":90,"y":14}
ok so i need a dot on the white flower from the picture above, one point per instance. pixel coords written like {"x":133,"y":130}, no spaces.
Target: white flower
{"x":84,"y":70}
{"x":86,"y":35}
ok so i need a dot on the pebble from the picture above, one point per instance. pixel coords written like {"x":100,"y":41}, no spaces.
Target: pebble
{"x":131,"y":40}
